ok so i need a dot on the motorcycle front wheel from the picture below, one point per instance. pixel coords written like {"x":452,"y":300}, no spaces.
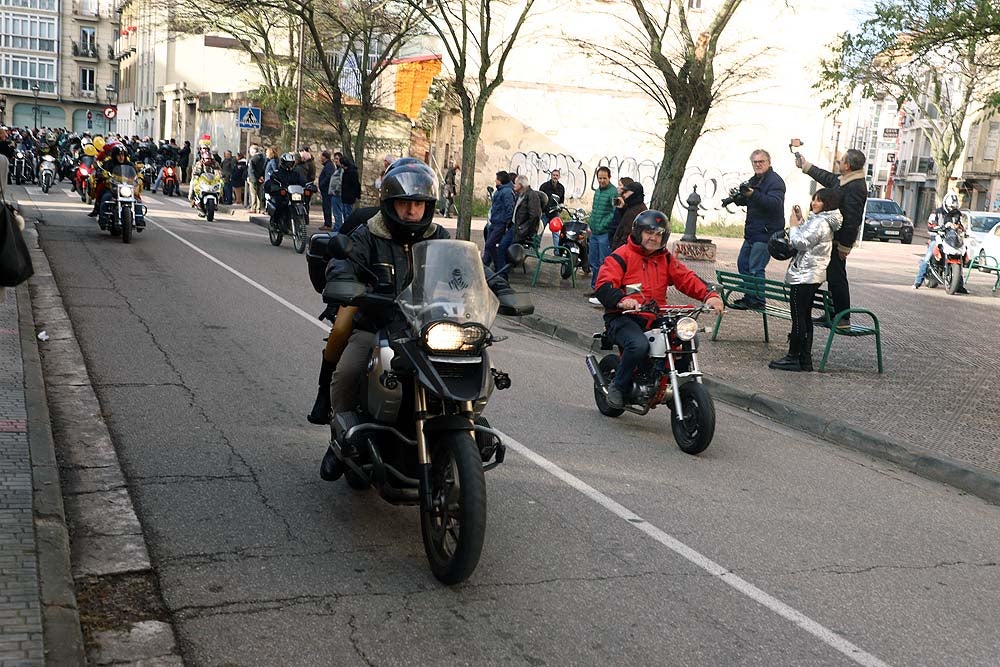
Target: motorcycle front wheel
{"x":299,"y":240}
{"x":566,"y":269}
{"x":952,"y":277}
{"x":126,"y":226}
{"x":608,"y":366}
{"x":454,"y":529}
{"x":695,"y":431}
{"x":274,"y":235}
{"x":168,"y":190}
{"x":210,"y":211}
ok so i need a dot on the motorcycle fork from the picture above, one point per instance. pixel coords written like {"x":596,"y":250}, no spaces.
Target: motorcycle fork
{"x":675,"y":387}
{"x":423,"y":457}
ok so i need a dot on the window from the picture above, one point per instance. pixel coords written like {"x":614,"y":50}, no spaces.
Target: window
{"x":992,"y":140}
{"x":31,"y":33}
{"x":46,"y":5}
{"x":88,"y":39}
{"x":21,"y":72}
{"x":87,"y":81}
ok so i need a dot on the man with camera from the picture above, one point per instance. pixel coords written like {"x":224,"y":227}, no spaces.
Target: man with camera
{"x":764,"y":196}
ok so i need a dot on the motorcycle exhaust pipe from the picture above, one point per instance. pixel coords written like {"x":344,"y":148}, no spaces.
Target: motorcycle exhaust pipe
{"x":595,"y":372}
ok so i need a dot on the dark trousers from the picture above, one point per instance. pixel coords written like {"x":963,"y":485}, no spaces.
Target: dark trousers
{"x":227,"y":192}
{"x":497,"y":232}
{"x":802,"y":324}
{"x":626,"y":332}
{"x":836,"y":278}
{"x":327,"y":209}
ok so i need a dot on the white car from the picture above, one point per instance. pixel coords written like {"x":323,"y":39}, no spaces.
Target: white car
{"x":984,"y":233}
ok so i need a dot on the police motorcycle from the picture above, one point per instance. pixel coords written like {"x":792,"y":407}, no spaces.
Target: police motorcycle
{"x":122,"y":213}
{"x":47,"y":171}
{"x":949,"y":257}
{"x":418,"y":435}
{"x":669,"y":376}
{"x":295,"y":222}
{"x":207,"y":189}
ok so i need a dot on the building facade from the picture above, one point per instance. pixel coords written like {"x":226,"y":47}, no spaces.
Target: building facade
{"x":981,"y":175}
{"x":56,"y":65}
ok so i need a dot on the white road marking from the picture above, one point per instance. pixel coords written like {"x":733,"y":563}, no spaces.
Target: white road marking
{"x":824,"y":634}
{"x":250,"y":281}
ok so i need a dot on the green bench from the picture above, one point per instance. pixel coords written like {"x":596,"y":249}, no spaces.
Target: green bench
{"x":778,"y":295}
{"x":548,"y":255}
{"x":985,"y":264}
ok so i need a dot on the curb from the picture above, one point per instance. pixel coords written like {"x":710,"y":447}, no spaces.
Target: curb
{"x":62,"y":636}
{"x":107,"y":537}
{"x":929,"y":465}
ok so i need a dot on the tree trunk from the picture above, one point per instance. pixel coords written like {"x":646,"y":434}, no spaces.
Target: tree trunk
{"x":678,"y":144}
{"x":473,"y":128}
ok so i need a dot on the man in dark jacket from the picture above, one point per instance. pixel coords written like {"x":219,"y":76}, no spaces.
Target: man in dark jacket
{"x":184,"y":160}
{"x":228,"y":164}
{"x":854,"y":192}
{"x":350,"y":185}
{"x":324,"y":185}
{"x":765,"y":202}
{"x":527,"y":211}
{"x":501,"y":217}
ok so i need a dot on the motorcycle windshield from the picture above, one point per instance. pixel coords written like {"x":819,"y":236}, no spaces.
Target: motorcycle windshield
{"x":448,"y":284}
{"x":124,"y":173}
{"x":952,"y":238}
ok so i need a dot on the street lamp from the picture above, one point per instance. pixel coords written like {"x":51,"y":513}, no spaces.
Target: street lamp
{"x":34,"y":90}
{"x":836,"y":147}
{"x":110,"y":91}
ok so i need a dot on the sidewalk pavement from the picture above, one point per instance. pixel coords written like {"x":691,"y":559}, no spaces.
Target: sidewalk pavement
{"x":932,"y":411}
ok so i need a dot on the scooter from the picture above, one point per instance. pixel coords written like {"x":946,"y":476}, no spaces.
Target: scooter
{"x":47,"y":173}
{"x":948,"y":259}
{"x":669,"y":376}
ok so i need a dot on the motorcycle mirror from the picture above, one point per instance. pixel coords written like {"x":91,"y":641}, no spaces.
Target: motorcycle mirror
{"x":555,"y":198}
{"x":341,"y":246}
{"x":515,"y":304}
{"x":516,"y":254}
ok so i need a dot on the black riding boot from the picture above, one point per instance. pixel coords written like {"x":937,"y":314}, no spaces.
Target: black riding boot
{"x":805,"y":354}
{"x":789,"y":362}
{"x":321,"y":408}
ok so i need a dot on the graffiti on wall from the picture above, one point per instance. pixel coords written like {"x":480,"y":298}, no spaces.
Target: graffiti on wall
{"x":538,"y":166}
{"x":713,"y":185}
{"x":643,"y":171}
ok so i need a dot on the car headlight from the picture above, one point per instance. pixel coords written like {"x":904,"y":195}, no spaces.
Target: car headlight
{"x":686,"y":328}
{"x":453,"y":337}
{"x":125,"y":191}
{"x":873,"y":223}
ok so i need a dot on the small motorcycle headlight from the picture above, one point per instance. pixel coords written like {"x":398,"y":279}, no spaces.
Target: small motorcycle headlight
{"x":687,"y":328}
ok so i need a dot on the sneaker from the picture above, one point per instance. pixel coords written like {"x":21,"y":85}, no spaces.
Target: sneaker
{"x":593,"y":301}
{"x":844,"y":324}
{"x":917,"y":286}
{"x":615,"y":398}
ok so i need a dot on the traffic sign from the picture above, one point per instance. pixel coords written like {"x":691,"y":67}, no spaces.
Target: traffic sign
{"x":248,"y":118}
{"x":110,"y":112}
{"x":90,"y":115}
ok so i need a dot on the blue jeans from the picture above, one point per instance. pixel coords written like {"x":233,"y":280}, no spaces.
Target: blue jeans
{"x":752,"y":261}
{"x":600,"y":248}
{"x":500,"y":254}
{"x":158,"y":182}
{"x":345,"y":210}
{"x":922,"y":269}
{"x":337,"y":210}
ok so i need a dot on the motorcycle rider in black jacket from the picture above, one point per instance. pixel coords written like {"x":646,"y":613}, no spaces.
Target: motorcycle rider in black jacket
{"x":381,"y":258}
{"x":282,"y":177}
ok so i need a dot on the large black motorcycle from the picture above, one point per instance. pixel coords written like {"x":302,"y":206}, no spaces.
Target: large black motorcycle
{"x":122,"y":212}
{"x":418,"y":435}
{"x":23,"y":169}
{"x":289,"y":211}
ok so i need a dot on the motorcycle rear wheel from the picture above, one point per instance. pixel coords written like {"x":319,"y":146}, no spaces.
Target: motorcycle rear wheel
{"x":454,"y":530}
{"x":953,"y":278}
{"x":608,"y":366}
{"x":695,"y":432}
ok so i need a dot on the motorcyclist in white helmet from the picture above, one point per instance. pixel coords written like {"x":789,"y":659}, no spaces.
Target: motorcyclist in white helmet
{"x":946,"y":215}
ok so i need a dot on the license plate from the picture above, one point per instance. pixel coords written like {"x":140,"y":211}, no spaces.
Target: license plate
{"x":891,"y":232}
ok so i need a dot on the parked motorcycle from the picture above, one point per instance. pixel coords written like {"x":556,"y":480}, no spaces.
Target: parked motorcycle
{"x":574,"y":239}
{"x":669,"y":376}
{"x":47,"y":173}
{"x":295,"y":221}
{"x":207,"y":189}
{"x":122,"y":213}
{"x":948,"y":259}
{"x":418,"y":435}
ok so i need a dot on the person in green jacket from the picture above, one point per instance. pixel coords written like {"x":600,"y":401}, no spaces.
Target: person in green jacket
{"x":601,"y":214}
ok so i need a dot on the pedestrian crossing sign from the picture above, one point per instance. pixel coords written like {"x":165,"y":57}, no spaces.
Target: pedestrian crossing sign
{"x":248,"y":118}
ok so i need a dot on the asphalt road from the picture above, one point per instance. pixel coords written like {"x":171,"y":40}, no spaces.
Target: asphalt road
{"x":605,"y":544}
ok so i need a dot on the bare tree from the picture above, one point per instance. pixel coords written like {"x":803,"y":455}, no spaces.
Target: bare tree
{"x":269,"y":38}
{"x":675,"y":68}
{"x":477,"y":36}
{"x":941,"y":83}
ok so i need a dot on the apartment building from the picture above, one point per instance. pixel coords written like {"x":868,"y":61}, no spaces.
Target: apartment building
{"x":981,"y":176}
{"x":56,"y":67}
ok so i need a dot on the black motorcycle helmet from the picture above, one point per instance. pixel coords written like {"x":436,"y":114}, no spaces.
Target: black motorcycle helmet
{"x":117,"y":151}
{"x":778,"y":246}
{"x":287,"y":161}
{"x":408,"y":180}
{"x":650,"y":220}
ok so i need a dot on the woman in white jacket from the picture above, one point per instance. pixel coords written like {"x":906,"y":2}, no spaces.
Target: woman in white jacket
{"x":812,"y":239}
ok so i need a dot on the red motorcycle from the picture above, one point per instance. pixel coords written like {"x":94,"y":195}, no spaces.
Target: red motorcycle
{"x":83,"y":178}
{"x":169,"y":177}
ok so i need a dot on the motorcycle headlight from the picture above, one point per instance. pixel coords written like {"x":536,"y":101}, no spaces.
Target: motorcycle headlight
{"x":296,"y":197}
{"x":20,"y":155}
{"x":453,"y":337}
{"x":125,"y":191}
{"x":686,"y":328}
{"x":571,"y":235}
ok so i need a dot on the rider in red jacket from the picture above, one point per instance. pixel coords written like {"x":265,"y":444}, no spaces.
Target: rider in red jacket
{"x":643,"y":262}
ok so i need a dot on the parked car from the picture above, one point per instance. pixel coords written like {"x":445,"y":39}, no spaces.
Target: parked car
{"x":884,"y":220}
{"x":987,"y":243}
{"x":979,"y":225}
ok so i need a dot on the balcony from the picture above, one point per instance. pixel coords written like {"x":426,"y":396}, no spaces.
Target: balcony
{"x":85,"y":51}
{"x":925,"y":165}
{"x":77,"y":93}
{"x":84,"y":9}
